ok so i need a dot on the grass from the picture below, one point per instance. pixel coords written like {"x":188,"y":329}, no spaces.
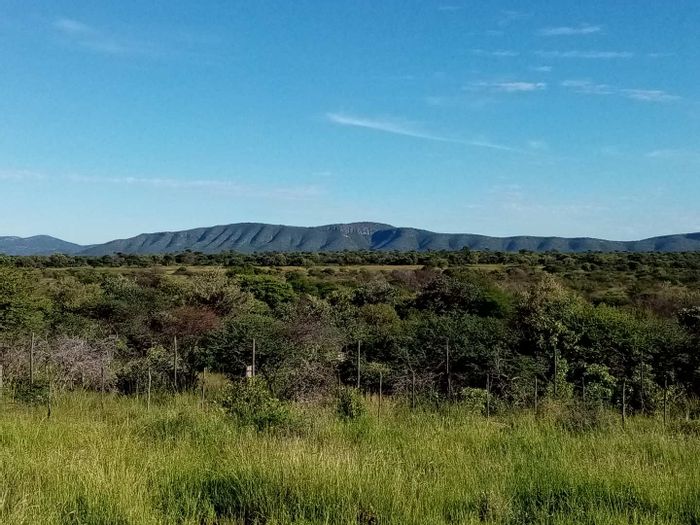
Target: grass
{"x":183,"y":464}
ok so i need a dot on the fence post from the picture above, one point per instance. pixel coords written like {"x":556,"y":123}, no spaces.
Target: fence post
{"x":536,"y":395}
{"x":204,"y":374}
{"x":447,"y":369}
{"x":413,"y":390}
{"x":252,"y":370}
{"x":624,"y":402}
{"x":359,"y":345}
{"x":488,"y":396}
{"x":556,"y":370}
{"x":1,"y":382}
{"x":31,"y":361}
{"x":175,"y":363}
{"x":379,"y":406}
{"x":665,"y":399}
{"x":102,"y":384}
{"x":148,"y":394}
{"x":48,"y":402}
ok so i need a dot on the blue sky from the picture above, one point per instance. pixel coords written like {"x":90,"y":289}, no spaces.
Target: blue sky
{"x":560,"y":118}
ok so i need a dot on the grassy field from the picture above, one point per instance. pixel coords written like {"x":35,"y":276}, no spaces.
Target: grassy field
{"x":180,"y":463}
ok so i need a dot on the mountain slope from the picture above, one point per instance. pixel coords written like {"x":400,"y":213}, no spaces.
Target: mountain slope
{"x":254,"y":237}
{"x":37,"y":245}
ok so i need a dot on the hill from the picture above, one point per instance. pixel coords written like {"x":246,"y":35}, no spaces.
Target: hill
{"x":255,"y":237}
{"x":37,"y":245}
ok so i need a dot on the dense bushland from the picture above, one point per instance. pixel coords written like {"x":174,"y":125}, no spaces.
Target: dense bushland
{"x":589,"y":326}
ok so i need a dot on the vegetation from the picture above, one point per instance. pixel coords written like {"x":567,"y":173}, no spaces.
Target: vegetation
{"x":117,"y":462}
{"x":505,"y":388}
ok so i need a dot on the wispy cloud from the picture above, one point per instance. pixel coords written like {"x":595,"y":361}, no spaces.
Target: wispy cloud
{"x":649,"y":95}
{"x":542,"y":69}
{"x":587,"y":87}
{"x":507,"y":87}
{"x":582,"y":29}
{"x":497,"y":53}
{"x":674,"y":154}
{"x":94,"y":39}
{"x":217,"y":186}
{"x":510,"y":16}
{"x":20,"y":175}
{"x":605,"y":55}
{"x":408,"y":129}
{"x":451,"y":8}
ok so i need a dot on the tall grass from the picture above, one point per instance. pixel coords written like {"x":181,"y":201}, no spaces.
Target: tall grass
{"x":178,"y":463}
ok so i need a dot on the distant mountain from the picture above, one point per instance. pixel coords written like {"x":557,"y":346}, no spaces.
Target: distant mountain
{"x":256,"y":237}
{"x":37,"y":245}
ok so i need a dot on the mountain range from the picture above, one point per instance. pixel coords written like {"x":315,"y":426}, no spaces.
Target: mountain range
{"x":257,"y":237}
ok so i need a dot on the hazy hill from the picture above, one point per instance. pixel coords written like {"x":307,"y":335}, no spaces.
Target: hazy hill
{"x":252,"y":237}
{"x":256,"y":237}
{"x":37,"y":245}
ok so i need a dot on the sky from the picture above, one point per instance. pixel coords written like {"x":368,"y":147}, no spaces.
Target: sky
{"x":562,"y":118}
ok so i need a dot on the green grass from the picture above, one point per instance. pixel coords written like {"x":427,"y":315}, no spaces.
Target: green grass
{"x":179,"y":463}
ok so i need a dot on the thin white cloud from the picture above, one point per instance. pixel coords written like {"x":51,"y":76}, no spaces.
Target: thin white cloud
{"x":510,"y":16}
{"x":408,"y":129}
{"x":73,"y":27}
{"x":582,"y":29}
{"x":674,"y":154}
{"x":649,"y":95}
{"x":93,"y":39}
{"x":508,"y":87}
{"x":604,"y":55}
{"x":497,"y":53}
{"x":587,"y":87}
{"x":20,"y":175}
{"x":212,"y":185}
{"x":542,"y":69}
{"x":537,"y":144}
{"x":451,"y":8}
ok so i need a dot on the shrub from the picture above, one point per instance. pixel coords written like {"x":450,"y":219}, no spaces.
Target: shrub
{"x":349,"y":404}
{"x":250,"y":402}
{"x":36,"y":393}
{"x":473,"y":399}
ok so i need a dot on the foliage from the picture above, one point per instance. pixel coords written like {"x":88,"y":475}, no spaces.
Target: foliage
{"x":473,"y":399}
{"x":349,"y":404}
{"x":250,"y":402}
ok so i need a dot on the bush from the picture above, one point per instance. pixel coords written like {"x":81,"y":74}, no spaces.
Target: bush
{"x":36,"y":393}
{"x":349,"y":404}
{"x":473,"y":400}
{"x":250,"y":402}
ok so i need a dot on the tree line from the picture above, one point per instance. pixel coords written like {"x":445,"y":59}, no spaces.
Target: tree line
{"x":596,"y":327}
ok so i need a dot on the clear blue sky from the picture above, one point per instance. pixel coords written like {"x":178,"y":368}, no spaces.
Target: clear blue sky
{"x":548,"y":118}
